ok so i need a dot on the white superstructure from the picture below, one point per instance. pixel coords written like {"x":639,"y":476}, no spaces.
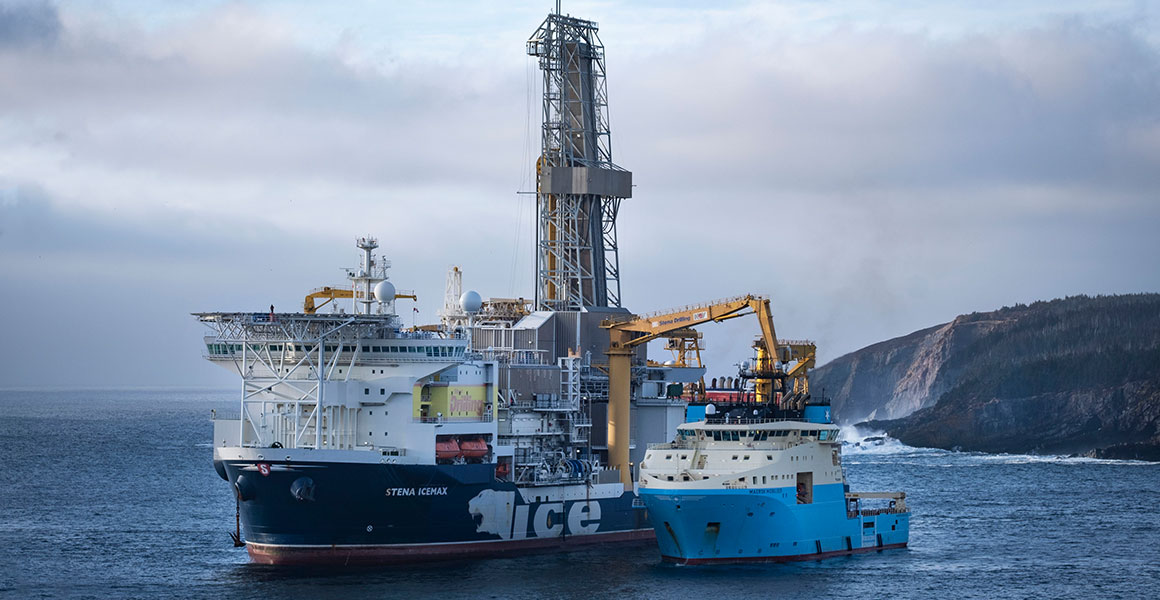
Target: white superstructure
{"x":708,"y":456}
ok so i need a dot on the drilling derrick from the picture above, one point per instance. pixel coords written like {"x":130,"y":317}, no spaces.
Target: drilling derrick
{"x":578,"y":187}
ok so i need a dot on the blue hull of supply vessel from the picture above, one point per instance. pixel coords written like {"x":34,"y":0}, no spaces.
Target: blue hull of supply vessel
{"x":320,"y":512}
{"x":766,"y":524}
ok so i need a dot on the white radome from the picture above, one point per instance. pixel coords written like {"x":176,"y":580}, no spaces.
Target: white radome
{"x":470,"y":302}
{"x":385,"y":291}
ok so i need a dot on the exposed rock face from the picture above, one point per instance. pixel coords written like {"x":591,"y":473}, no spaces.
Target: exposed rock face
{"x":1100,"y":422}
{"x":894,"y":378}
{"x":1074,"y":375}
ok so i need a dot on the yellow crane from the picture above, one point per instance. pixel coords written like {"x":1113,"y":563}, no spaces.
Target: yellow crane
{"x":328,"y":294}
{"x":627,"y":334}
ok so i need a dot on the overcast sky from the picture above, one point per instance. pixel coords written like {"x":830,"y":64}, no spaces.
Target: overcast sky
{"x":873,"y":167}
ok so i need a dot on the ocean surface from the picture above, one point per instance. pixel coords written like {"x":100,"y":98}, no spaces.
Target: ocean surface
{"x":112,"y":494}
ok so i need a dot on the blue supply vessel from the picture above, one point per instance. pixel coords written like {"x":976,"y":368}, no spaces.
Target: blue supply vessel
{"x":757,"y":483}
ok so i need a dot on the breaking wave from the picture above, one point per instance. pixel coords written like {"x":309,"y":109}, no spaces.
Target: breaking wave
{"x":856,"y":440}
{"x":860,"y":444}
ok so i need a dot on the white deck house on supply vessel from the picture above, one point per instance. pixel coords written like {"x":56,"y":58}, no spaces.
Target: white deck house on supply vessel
{"x":740,"y":456}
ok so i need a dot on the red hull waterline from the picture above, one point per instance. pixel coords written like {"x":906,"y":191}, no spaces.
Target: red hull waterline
{"x":272,"y":554}
{"x":779,"y":559}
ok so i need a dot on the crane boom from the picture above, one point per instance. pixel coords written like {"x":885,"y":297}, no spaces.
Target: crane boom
{"x":655,"y":325}
{"x":328,"y":294}
{"x":627,"y":334}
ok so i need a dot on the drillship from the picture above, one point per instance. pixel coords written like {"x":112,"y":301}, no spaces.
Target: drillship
{"x":360,"y":439}
{"x":511,"y":425}
{"x":762,"y":482}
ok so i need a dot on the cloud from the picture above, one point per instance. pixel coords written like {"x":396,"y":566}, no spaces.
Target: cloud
{"x":872,"y":179}
{"x":868,"y":110}
{"x":225,"y":115}
{"x":24,"y":24}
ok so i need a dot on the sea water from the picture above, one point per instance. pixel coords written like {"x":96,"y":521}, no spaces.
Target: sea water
{"x":112,"y":494}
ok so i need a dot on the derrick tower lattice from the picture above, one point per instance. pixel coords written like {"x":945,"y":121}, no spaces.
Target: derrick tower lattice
{"x":578,"y":187}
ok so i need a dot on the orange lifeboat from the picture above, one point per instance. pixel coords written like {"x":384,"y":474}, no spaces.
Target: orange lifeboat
{"x":473,"y":448}
{"x":447,"y":449}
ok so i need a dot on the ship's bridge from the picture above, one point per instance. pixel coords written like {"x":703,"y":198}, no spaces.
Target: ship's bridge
{"x":351,"y":382}
{"x":752,"y":433}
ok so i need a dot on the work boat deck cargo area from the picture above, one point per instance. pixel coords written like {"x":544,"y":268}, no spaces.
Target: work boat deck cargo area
{"x":514,"y":424}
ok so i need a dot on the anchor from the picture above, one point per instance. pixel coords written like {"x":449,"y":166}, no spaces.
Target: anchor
{"x":236,"y":534}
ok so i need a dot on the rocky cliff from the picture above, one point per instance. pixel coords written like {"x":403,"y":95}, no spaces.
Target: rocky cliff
{"x":1074,"y":375}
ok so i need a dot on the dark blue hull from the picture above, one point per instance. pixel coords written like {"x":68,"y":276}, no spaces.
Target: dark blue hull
{"x":327,"y":512}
